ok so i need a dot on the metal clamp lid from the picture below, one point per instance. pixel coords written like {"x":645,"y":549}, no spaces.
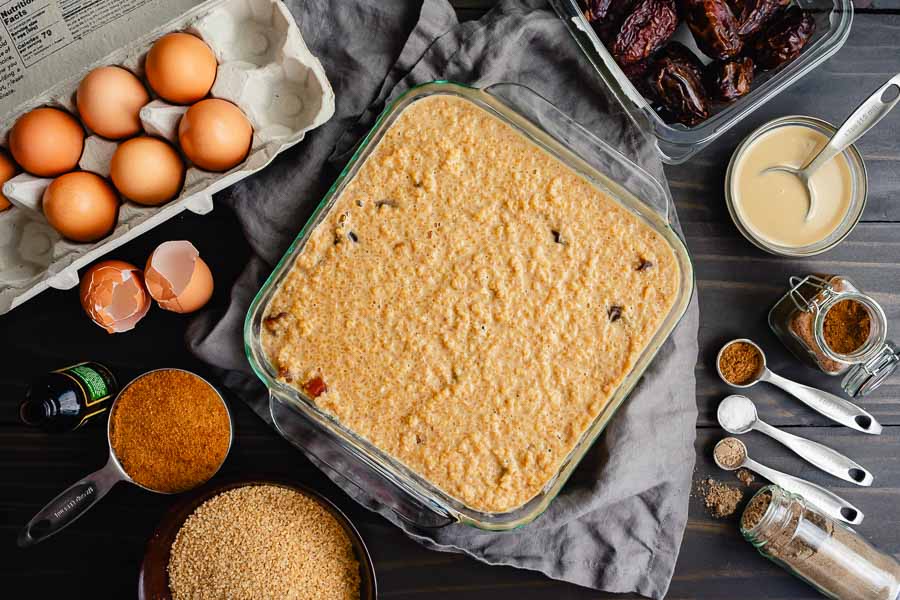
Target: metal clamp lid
{"x":867,"y":376}
{"x":824,"y":292}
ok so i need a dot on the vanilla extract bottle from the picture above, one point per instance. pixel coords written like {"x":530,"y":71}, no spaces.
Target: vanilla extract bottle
{"x":67,"y":398}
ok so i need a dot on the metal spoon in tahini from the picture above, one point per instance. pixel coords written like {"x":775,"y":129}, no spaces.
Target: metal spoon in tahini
{"x":871,"y":111}
{"x":737,"y":414}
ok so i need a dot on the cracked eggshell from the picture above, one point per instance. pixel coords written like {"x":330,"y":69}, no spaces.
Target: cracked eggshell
{"x":113,"y":295}
{"x":177,"y":278}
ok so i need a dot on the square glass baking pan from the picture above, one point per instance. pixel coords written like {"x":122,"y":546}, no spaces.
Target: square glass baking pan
{"x":677,"y":143}
{"x":348,"y":456}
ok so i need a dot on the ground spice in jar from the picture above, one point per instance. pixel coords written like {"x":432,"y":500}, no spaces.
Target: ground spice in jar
{"x":263,"y":541}
{"x":740,"y":363}
{"x":801,"y":325}
{"x":730,"y":453}
{"x":755,"y":510}
{"x":170,"y":430}
{"x":847,"y":326}
{"x":831,"y":557}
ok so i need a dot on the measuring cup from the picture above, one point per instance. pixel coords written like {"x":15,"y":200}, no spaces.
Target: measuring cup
{"x":63,"y":510}
{"x":834,"y":407}
{"x":829,"y":503}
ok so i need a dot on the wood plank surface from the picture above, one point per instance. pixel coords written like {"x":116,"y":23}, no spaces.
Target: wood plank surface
{"x":99,"y":556}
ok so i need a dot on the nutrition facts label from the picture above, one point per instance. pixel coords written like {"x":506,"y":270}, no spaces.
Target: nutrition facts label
{"x":37,"y":29}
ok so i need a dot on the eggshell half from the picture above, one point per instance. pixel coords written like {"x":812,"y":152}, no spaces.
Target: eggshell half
{"x":113,"y":295}
{"x":177,"y":278}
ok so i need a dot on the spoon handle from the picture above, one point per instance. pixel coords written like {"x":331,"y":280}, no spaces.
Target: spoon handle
{"x":830,"y":461}
{"x":834,"y":407}
{"x":831,"y":504}
{"x":866,"y":116}
{"x":70,"y":504}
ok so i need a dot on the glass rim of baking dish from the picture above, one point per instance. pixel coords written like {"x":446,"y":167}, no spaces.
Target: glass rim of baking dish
{"x":677,"y":143}
{"x":387,"y":467}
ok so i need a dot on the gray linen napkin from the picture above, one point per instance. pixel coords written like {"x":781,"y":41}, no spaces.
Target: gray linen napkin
{"x":618,"y":523}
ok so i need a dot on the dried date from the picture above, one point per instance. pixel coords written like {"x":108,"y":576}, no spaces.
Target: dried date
{"x":755,"y":14}
{"x":784,"y":39}
{"x":644,"y":31}
{"x":729,"y":80}
{"x":605,"y":16}
{"x":714,"y":26}
{"x":676,"y":84}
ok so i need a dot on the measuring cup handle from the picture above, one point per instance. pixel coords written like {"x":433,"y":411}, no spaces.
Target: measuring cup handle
{"x":63,"y":510}
{"x":834,"y":407}
{"x":831,"y":504}
{"x":820,"y":455}
{"x":864,"y":118}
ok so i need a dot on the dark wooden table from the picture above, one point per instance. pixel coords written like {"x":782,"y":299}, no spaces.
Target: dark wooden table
{"x":99,"y":555}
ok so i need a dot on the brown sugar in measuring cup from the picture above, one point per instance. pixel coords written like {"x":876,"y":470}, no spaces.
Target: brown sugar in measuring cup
{"x":169,"y":431}
{"x":740,"y":363}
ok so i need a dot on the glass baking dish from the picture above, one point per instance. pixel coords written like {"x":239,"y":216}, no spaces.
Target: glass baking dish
{"x":677,"y":143}
{"x":347,"y":455}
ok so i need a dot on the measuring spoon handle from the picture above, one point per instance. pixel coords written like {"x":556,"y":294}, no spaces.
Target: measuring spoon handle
{"x":63,"y":510}
{"x":830,"y":461}
{"x":834,"y":407}
{"x":864,"y":118}
{"x":831,"y":504}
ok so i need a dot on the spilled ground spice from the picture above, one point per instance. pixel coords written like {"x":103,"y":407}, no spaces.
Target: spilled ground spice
{"x":740,"y":363}
{"x":745,"y":476}
{"x":847,"y":326}
{"x":721,"y":499}
{"x":170,"y":430}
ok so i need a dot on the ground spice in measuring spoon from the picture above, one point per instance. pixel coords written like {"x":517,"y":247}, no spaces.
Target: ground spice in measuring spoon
{"x":170,"y":430}
{"x":740,"y":363}
{"x":847,"y":326}
{"x":730,"y":453}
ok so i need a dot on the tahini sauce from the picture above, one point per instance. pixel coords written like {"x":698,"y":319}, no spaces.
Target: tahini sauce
{"x":773,"y":205}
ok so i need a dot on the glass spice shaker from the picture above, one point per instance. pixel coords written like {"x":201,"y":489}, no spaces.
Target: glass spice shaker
{"x":828,"y":555}
{"x":799,"y":321}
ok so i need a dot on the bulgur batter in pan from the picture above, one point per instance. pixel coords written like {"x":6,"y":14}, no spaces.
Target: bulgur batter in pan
{"x":469,"y":304}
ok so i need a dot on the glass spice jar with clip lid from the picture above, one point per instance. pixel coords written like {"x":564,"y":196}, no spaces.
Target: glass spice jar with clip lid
{"x":830,"y":324}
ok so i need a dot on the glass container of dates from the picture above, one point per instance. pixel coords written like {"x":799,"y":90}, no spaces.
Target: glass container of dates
{"x":830,"y":324}
{"x":686,"y":71}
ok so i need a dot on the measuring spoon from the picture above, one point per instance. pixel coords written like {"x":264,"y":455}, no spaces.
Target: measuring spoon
{"x":834,"y":407}
{"x":865,"y":117}
{"x":79,"y":497}
{"x":829,"y":503}
{"x":737,"y":414}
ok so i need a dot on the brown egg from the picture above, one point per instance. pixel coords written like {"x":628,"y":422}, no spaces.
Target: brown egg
{"x":8,"y":169}
{"x":81,"y":206}
{"x":215,"y":135}
{"x":46,"y":142}
{"x":109,"y":102}
{"x":181,"y":68}
{"x":147,"y":170}
{"x":177,"y":278}
{"x":113,"y":295}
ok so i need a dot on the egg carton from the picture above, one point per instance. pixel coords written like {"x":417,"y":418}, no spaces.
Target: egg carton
{"x":264,"y":68}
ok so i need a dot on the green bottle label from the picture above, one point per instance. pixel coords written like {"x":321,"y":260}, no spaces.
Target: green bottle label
{"x":94,"y":384}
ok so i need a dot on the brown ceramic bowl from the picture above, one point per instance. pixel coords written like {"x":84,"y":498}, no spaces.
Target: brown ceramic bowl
{"x":153,"y":581}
